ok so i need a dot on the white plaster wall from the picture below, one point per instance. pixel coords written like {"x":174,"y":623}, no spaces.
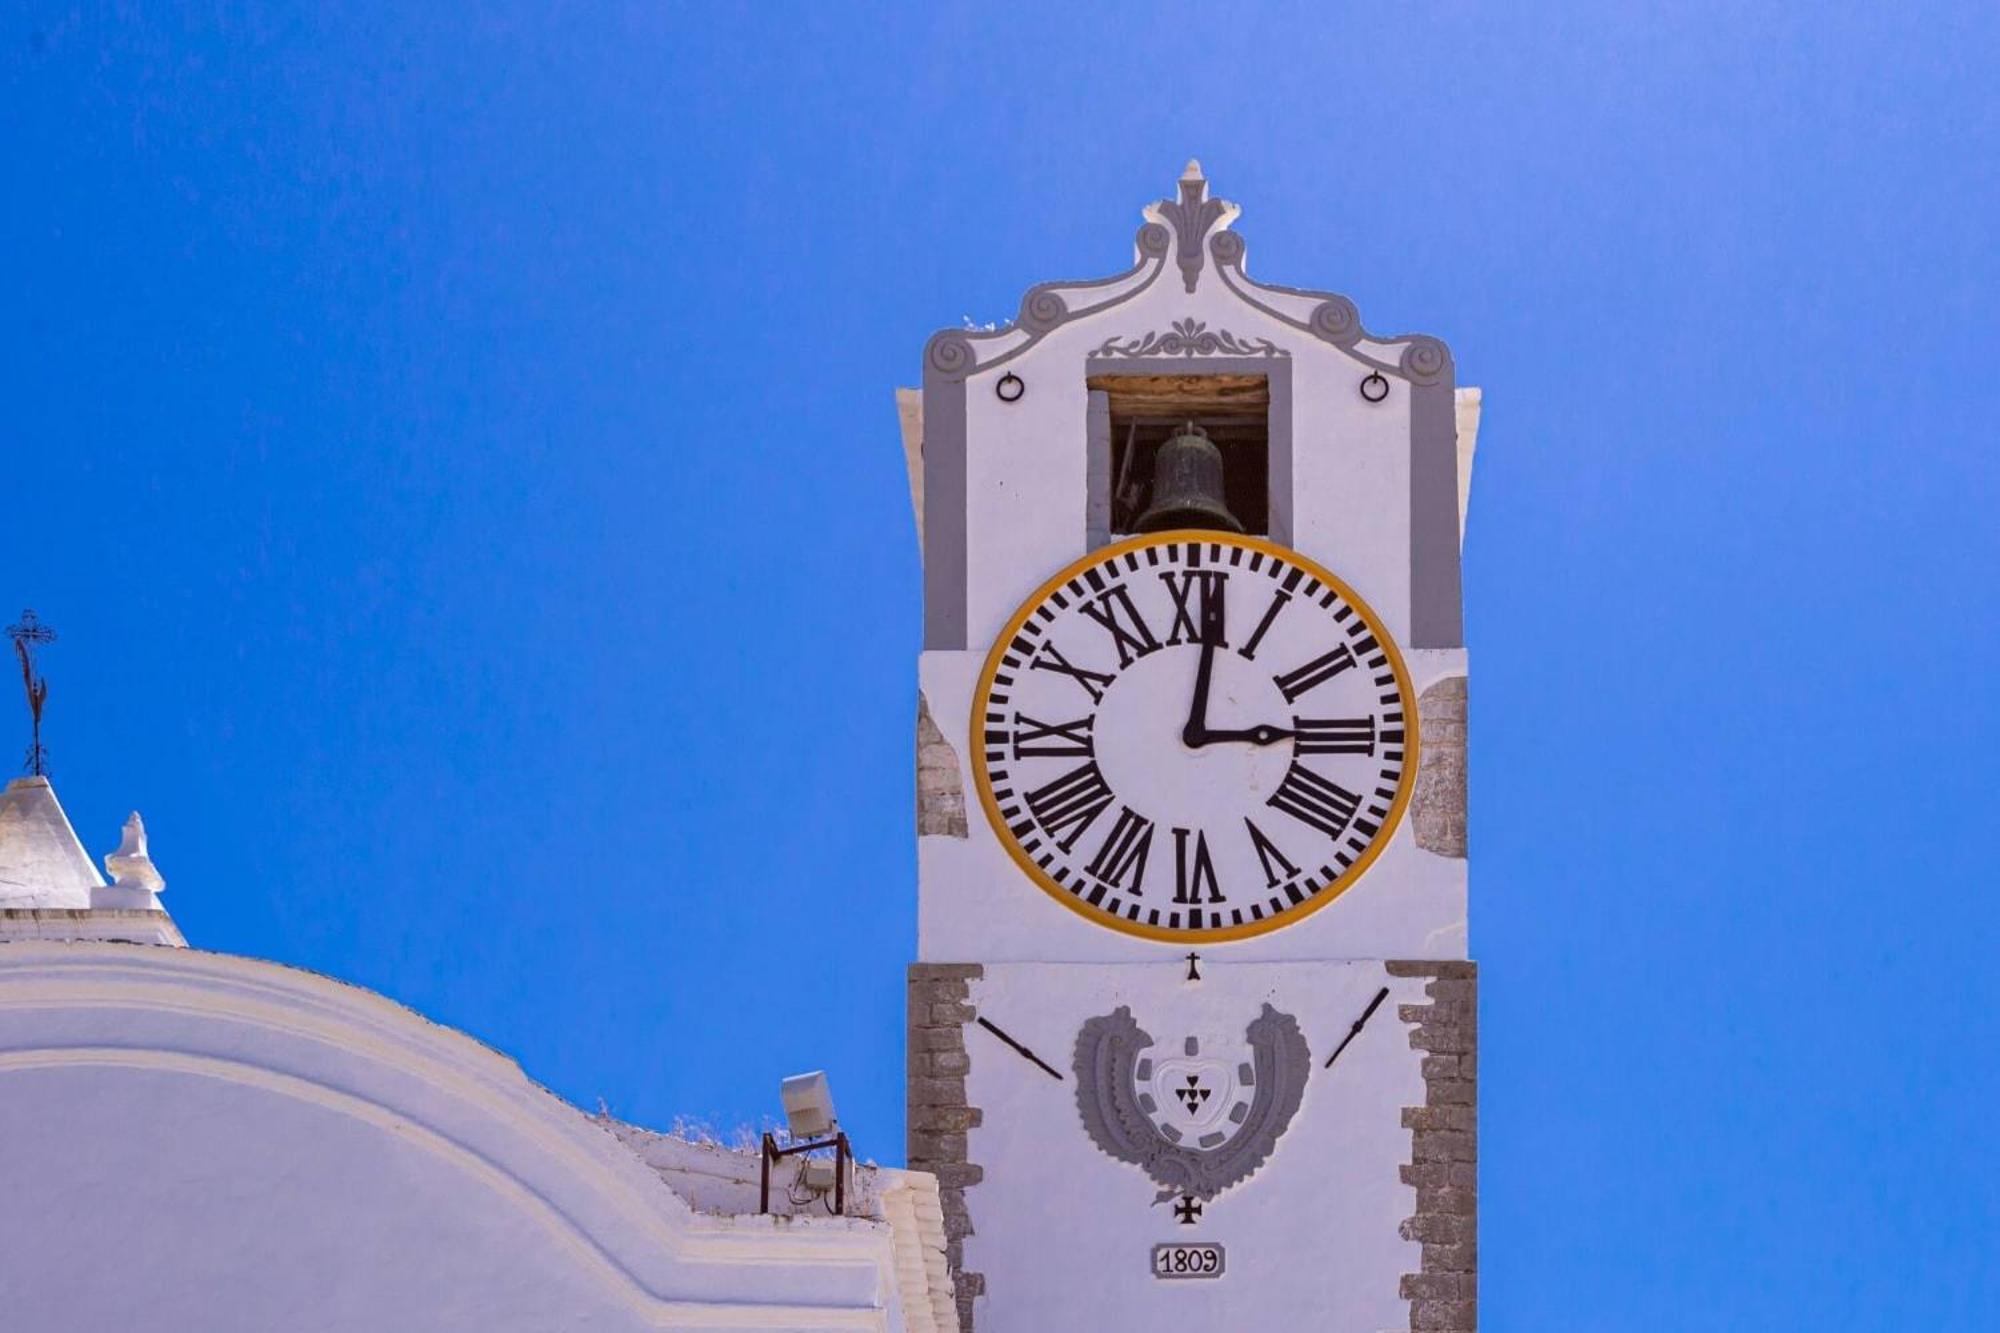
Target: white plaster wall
{"x":976,"y":905}
{"x":201,"y":1142}
{"x":1026,"y":494}
{"x":1064,"y":1233}
{"x":1025,"y":461}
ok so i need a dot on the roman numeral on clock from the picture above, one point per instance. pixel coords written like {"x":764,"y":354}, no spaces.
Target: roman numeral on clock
{"x":1334,"y":735}
{"x":1270,"y":857}
{"x":1314,"y":673}
{"x":1193,"y":872}
{"x":1066,"y":807}
{"x":1050,"y":658}
{"x":1311,"y":799}
{"x":1035,"y":739}
{"x":1122,"y":621}
{"x":1191,"y":612}
{"x":1124,"y":851}
{"x":1249,"y":648}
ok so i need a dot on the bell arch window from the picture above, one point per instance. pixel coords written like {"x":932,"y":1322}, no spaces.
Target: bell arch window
{"x":1133,"y":415}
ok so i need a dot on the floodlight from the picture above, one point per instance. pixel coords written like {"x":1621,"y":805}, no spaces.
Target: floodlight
{"x":808,"y":1105}
{"x":814,"y":1128}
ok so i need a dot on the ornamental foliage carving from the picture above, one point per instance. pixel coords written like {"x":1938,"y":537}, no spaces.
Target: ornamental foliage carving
{"x":1189,"y":337}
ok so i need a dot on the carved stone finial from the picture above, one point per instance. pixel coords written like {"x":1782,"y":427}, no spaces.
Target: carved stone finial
{"x":130,"y":866}
{"x":1192,"y":215}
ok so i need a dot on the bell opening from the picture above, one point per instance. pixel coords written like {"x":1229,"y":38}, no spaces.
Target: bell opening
{"x":1157,"y":485}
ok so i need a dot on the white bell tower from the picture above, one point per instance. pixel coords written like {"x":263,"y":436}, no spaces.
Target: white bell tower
{"x":1192,"y":1030}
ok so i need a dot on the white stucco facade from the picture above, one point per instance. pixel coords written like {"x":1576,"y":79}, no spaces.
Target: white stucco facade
{"x":199,"y":1141}
{"x":1097,"y":1094}
{"x":1333,"y":1174}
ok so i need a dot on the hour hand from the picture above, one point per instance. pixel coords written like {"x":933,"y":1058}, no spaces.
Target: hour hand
{"x":1254,"y":735}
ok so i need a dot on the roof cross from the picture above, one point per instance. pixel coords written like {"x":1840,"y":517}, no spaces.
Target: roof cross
{"x":28,"y":634}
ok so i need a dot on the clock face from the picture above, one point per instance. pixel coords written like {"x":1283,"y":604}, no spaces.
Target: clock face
{"x":1194,"y":736}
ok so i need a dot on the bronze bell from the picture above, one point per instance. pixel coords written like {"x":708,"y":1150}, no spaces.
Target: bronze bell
{"x":1187,"y":486}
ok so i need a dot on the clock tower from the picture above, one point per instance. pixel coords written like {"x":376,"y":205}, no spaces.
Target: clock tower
{"x":1192,"y":1031}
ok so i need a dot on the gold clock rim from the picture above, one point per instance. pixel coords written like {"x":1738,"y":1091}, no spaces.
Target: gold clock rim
{"x":1405,"y":783}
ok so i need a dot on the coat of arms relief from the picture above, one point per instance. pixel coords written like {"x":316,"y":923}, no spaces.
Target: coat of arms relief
{"x":1197,"y":1119}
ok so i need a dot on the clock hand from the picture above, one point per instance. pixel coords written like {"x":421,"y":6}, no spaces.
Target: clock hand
{"x":1196,"y":733}
{"x":1255,"y":735}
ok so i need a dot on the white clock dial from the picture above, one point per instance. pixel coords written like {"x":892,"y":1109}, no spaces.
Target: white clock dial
{"x":1194,"y":735}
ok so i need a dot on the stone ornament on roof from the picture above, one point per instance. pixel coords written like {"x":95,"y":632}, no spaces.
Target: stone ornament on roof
{"x":50,"y":889}
{"x":130,"y":867}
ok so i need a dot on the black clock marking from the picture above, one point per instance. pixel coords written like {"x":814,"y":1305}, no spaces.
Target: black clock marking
{"x":1314,"y":673}
{"x":1124,"y":851}
{"x":1197,"y":616}
{"x":1335,"y":735}
{"x":1050,"y":658}
{"x":1193,"y":871}
{"x":1122,"y":621}
{"x":1278,"y":600}
{"x":1312,"y":799}
{"x":1035,"y":739}
{"x":1088,"y":751}
{"x":1269,"y":856}
{"x":1067,"y":806}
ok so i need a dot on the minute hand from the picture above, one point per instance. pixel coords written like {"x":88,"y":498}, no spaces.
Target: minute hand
{"x":1196,"y":733}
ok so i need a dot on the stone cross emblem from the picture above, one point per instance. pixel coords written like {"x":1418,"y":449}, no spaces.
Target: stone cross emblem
{"x":1196,"y":1122}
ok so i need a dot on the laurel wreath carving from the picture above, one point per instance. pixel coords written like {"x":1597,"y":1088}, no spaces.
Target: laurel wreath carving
{"x":1107,"y":1049}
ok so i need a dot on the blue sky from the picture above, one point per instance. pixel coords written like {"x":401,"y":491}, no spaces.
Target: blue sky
{"x":459,"y":457}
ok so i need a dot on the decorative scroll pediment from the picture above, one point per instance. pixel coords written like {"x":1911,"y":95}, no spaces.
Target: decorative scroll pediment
{"x":1191,"y":229}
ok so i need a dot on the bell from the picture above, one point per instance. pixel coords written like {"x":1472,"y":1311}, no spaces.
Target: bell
{"x":1187,"y":486}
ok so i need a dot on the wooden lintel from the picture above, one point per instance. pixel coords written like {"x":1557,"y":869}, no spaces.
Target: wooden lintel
{"x":1184,"y":395}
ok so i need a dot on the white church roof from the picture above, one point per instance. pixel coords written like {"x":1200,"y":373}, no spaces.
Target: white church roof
{"x":49,"y":890}
{"x":41,"y":862}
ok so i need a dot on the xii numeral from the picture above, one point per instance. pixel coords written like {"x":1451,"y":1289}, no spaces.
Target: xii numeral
{"x":1198,"y":616}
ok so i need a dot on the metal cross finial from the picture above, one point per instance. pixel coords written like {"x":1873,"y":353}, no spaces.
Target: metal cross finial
{"x":1194,"y":973}
{"x":28,"y":634}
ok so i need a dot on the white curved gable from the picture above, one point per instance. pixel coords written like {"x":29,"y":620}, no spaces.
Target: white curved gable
{"x":200,"y":1141}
